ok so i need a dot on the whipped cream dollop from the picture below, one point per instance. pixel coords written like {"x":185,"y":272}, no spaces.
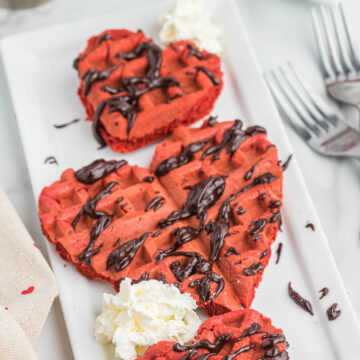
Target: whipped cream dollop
{"x":190,"y":20}
{"x":143,"y":314}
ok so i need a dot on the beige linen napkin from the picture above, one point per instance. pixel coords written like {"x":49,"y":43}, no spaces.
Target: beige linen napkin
{"x":27,"y":287}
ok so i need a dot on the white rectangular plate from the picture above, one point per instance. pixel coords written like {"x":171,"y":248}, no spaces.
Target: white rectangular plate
{"x":43,"y":87}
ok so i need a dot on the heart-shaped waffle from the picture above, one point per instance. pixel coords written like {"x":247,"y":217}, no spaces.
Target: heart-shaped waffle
{"x":203,"y":217}
{"x":135,"y":93}
{"x":240,"y":335}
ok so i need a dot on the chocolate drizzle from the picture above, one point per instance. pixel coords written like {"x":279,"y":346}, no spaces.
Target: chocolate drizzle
{"x":96,"y":125}
{"x":60,"y":126}
{"x":257,"y":226}
{"x":184,"y":158}
{"x":106,"y":36}
{"x":230,"y":251}
{"x":212,"y":120}
{"x":196,"y":264}
{"x":209,"y":74}
{"x":332,"y":313}
{"x":232,"y":139}
{"x":220,"y":229}
{"x":103,"y":220}
{"x":134,"y":87}
{"x":253,"y":269}
{"x":51,"y":160}
{"x":324,"y":291}
{"x":238,"y":352}
{"x":285,"y":165}
{"x":156,"y":203}
{"x":299,"y":300}
{"x":248,"y":175}
{"x":203,"y":286}
{"x":97,"y":170}
{"x":240,"y":210}
{"x":92,"y":75}
{"x":121,"y":257}
{"x":193,"y":51}
{"x":77,"y":60}
{"x":144,"y":277}
{"x":148,"y":179}
{"x":278,"y":252}
{"x":272,"y":351}
{"x":311,"y":226}
{"x":264,"y":254}
{"x":205,"y":344}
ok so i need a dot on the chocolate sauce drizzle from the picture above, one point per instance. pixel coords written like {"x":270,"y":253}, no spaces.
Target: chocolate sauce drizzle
{"x":285,"y":165}
{"x":203,"y":286}
{"x":257,"y":226}
{"x":121,"y":257}
{"x":134,"y":87}
{"x":278,"y":252}
{"x":201,"y":197}
{"x":231,"y":251}
{"x":106,"y":36}
{"x":264,"y":254}
{"x":144,"y":277}
{"x":311,"y":226}
{"x":51,"y":160}
{"x":209,"y":74}
{"x":220,"y":229}
{"x":212,"y":120}
{"x":97,"y":170}
{"x":299,"y":300}
{"x":77,"y":60}
{"x":103,"y":220}
{"x":184,"y":158}
{"x":60,"y":126}
{"x":232,"y":139}
{"x":196,"y":264}
{"x":193,"y":51}
{"x":178,"y":95}
{"x":148,"y":179}
{"x":332,"y":313}
{"x":248,"y":175}
{"x":253,"y":269}
{"x":238,"y":352}
{"x":240,"y":210}
{"x":156,"y":203}
{"x":272,"y":351}
{"x":213,"y":349}
{"x":324,"y":291}
{"x":92,"y":75}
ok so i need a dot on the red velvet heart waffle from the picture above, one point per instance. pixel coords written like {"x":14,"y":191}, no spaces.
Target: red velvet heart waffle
{"x":135,"y":93}
{"x":240,"y":335}
{"x":203,"y":218}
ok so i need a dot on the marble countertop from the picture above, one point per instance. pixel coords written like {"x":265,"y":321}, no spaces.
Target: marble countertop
{"x":280,"y":31}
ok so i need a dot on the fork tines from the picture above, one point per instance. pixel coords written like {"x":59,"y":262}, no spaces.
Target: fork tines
{"x":338,"y":56}
{"x":299,"y":104}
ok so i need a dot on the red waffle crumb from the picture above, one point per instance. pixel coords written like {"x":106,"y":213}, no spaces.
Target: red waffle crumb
{"x":29,"y":290}
{"x":156,"y":114}
{"x":229,"y":331}
{"x":246,"y":249}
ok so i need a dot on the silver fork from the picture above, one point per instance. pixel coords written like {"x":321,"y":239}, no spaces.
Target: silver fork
{"x":339,"y":61}
{"x":320,"y":126}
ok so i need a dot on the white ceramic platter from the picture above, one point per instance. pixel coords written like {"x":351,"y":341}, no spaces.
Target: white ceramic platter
{"x":43,"y":87}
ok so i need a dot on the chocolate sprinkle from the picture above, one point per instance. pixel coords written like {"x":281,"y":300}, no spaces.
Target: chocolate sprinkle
{"x":324,"y":291}
{"x":299,"y":300}
{"x":97,"y":170}
{"x":332,"y":313}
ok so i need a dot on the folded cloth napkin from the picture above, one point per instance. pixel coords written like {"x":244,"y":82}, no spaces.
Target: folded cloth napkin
{"x":27,"y":287}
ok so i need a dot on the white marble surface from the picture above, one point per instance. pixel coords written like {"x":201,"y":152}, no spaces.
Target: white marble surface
{"x":280,"y":31}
